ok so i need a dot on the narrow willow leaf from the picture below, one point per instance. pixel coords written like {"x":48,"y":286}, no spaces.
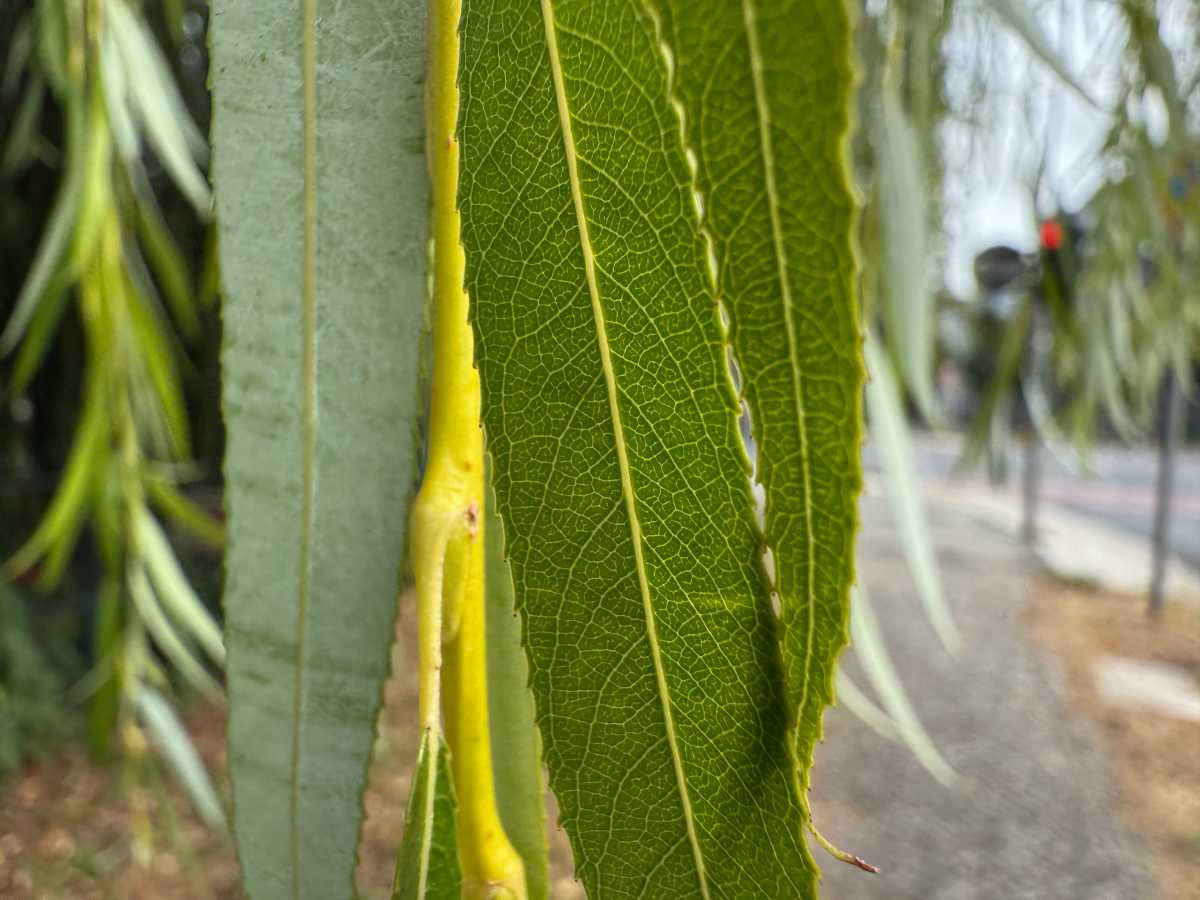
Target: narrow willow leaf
{"x":64,"y":516}
{"x":52,"y":41}
{"x":765,"y":90}
{"x":1041,"y":417}
{"x":516,"y":745}
{"x":23,"y":132}
{"x":116,"y":97}
{"x":39,"y":333}
{"x":1020,"y":17}
{"x":855,"y":700}
{"x":909,"y":307}
{"x":157,"y":360}
{"x":619,"y":470}
{"x":160,"y":720}
{"x":155,"y":99}
{"x":56,"y":239}
{"x":169,"y":641}
{"x":320,"y":194}
{"x":1109,"y":359}
{"x":19,"y":54}
{"x":185,"y":512}
{"x":106,"y":638}
{"x":173,"y":587}
{"x":890,"y":432}
{"x":872,"y":653}
{"x":165,"y":258}
{"x":427,"y":864}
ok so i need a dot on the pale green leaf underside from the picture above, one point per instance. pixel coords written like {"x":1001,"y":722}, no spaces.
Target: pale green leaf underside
{"x":516,"y":748}
{"x":320,"y":196}
{"x":427,"y":864}
{"x":871,"y":649}
{"x":611,"y":418}
{"x":909,"y":306}
{"x":765,"y":88}
{"x":890,"y":433}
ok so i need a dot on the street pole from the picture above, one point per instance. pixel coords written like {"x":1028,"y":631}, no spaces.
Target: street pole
{"x":1031,"y":477}
{"x":1168,"y":445}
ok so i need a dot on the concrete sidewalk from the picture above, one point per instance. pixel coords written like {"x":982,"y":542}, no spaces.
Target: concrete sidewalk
{"x":1034,"y":813}
{"x":1070,"y":545}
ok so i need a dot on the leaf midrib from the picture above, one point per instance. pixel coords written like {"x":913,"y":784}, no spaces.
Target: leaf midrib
{"x":627,"y":489}
{"x":309,"y":422}
{"x":762,"y":110}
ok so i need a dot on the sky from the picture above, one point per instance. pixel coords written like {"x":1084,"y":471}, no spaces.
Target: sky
{"x":1028,"y":113}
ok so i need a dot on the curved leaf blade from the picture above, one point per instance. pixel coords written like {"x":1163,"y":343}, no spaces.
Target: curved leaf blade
{"x":180,"y":753}
{"x":872,"y":652}
{"x":890,"y":431}
{"x":909,"y":307}
{"x":55,"y":243}
{"x":765,"y":93}
{"x":620,"y":474}
{"x":320,"y":196}
{"x":516,"y":744}
{"x":427,"y":864}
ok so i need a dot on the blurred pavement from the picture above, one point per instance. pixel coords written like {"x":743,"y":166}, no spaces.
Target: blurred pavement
{"x":1034,"y":813}
{"x":1116,"y":489}
{"x":1094,"y":526}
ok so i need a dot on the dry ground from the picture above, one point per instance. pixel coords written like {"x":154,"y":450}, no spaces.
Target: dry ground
{"x":68,"y":830}
{"x":1157,"y":758}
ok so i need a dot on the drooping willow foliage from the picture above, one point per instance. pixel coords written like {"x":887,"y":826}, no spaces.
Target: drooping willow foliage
{"x":107,"y":267}
{"x":1106,"y":309}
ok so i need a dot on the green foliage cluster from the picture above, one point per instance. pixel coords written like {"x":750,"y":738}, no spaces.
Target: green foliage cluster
{"x":109,"y":282}
{"x":1106,"y":314}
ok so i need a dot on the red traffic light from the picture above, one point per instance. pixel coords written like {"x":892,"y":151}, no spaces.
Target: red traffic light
{"x":1051,"y":234}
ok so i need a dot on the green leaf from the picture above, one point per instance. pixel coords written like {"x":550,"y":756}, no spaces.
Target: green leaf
{"x":52,"y":40}
{"x":173,"y":739}
{"x":55,"y":242}
{"x":173,"y":645}
{"x":23,"y":132}
{"x":63,"y":519}
{"x":155,"y":100}
{"x":909,"y":307}
{"x":38,"y":335}
{"x":516,"y":745}
{"x":855,"y":700}
{"x":173,"y":588}
{"x":320,"y":196}
{"x":890,"y":432}
{"x":153,"y":339}
{"x":611,"y":416}
{"x":427,"y":864}
{"x":116,"y":94}
{"x":106,"y":640}
{"x":871,"y":650}
{"x":185,"y":512}
{"x":765,"y":92}
{"x":167,"y":261}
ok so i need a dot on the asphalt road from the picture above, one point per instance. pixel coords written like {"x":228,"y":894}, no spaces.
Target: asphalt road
{"x":1118,"y":485}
